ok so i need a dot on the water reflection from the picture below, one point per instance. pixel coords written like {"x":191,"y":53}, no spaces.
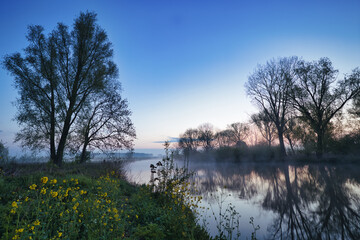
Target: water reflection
{"x":307,"y":201}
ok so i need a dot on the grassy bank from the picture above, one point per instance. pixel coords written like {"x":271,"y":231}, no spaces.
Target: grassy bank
{"x":89,"y":201}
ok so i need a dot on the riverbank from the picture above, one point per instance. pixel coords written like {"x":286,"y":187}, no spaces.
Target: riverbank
{"x":87,"y":201}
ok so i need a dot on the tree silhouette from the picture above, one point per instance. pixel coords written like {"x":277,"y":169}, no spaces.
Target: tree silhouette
{"x":316,"y":97}
{"x":56,"y":77}
{"x":269,"y":87}
{"x":104,"y":123}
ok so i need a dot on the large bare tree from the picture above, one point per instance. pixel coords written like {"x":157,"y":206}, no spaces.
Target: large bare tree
{"x":55,"y":78}
{"x":319,"y":96}
{"x":268,"y":87}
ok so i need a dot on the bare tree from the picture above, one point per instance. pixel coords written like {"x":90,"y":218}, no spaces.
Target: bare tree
{"x":265,"y":126}
{"x":104,"y":123}
{"x":318,"y":96}
{"x":206,"y":135}
{"x":268,"y":87}
{"x":56,"y":77}
{"x":190,"y":139}
{"x":224,"y":138}
{"x":239,"y":132}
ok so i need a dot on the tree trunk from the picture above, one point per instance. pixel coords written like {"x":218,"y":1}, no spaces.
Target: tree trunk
{"x":291,"y":144}
{"x":69,"y":113}
{"x":61,"y":146}
{"x":319,"y":144}
{"x":282,"y":145}
{"x":52,"y":127}
{"x":83,"y":153}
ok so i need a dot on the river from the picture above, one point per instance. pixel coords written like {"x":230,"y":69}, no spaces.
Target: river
{"x":287,"y":201}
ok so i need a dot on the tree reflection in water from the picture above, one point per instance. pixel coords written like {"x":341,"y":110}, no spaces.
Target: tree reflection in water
{"x":316,"y":201}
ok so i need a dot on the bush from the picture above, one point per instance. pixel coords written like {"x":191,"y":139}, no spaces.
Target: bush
{"x":229,"y":153}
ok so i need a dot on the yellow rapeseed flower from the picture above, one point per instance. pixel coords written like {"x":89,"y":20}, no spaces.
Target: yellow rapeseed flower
{"x":19,"y":230}
{"x":36,"y":223}
{"x":14,"y":205}
{"x":59,"y":234}
{"x":54,"y":194}
{"x":43,"y":191}
{"x":54,"y":181}
{"x":33,"y":186}
{"x":44,"y":180}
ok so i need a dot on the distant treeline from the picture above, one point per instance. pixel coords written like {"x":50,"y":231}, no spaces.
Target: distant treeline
{"x":302,"y":110}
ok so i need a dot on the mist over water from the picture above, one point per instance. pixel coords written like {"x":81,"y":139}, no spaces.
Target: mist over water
{"x":288,"y":201}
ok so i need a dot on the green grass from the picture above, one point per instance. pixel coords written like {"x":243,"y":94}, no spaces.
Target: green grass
{"x":89,"y":201}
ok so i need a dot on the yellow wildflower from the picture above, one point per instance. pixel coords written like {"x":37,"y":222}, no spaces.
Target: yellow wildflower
{"x":54,"y":181}
{"x":37,"y":223}
{"x":54,"y":194}
{"x":44,"y":180}
{"x":14,"y":205}
{"x":33,"y":186}
{"x":43,"y":191}
{"x":59,"y":234}
{"x":26,"y":199}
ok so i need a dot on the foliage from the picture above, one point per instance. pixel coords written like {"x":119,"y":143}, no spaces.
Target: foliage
{"x":60,"y":205}
{"x":230,"y":153}
{"x":348,"y":144}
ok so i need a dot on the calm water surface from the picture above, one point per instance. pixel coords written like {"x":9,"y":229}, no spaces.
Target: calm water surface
{"x":287,"y":201}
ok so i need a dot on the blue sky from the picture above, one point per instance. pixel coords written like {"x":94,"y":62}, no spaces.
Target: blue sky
{"x":183,"y":63}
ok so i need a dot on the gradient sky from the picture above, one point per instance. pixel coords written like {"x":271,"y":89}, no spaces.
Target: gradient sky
{"x":184,"y":63}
